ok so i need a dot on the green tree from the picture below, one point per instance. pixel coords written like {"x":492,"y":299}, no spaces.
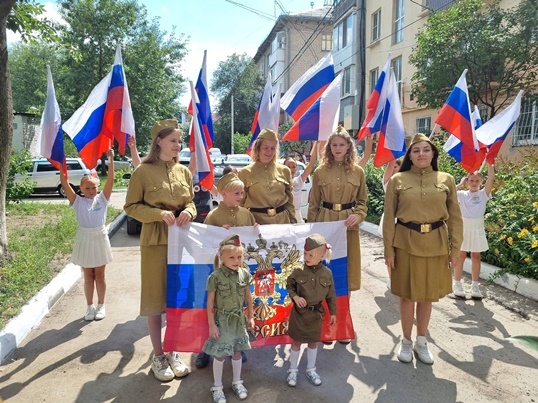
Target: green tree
{"x":499,"y":47}
{"x":239,"y":77}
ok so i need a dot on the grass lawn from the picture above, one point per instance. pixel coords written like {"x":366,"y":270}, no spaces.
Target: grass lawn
{"x":40,"y":239}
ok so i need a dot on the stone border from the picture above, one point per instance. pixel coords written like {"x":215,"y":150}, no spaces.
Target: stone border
{"x":33,"y":312}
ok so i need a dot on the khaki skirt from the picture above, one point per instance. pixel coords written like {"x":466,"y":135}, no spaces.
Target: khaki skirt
{"x":353,"y":260}
{"x":92,"y":247}
{"x":153,"y":260}
{"x":420,"y":279}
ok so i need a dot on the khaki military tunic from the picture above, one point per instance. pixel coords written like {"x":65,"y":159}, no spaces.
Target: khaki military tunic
{"x":422,"y":196}
{"x":268,"y":185}
{"x":335,"y":185}
{"x":314,"y":284}
{"x":232,"y":216}
{"x":153,"y":190}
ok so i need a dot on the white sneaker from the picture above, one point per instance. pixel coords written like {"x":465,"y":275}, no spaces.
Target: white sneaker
{"x":101,"y":312}
{"x":218,"y":394}
{"x":421,"y":348}
{"x":457,"y":289}
{"x":161,"y":368}
{"x":475,"y":292}
{"x":313,"y":376}
{"x":239,"y":389}
{"x":90,"y":313}
{"x":176,"y":363}
{"x":292,"y":377}
{"x":405,"y":353}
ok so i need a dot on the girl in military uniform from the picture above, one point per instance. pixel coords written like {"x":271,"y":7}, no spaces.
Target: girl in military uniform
{"x":422,"y":235}
{"x":339,"y":193}
{"x":228,"y":288}
{"x":308,"y":287}
{"x":268,"y":185}
{"x":160,"y":194}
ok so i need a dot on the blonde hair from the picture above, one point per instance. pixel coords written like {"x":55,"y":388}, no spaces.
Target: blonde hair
{"x":257,"y":147}
{"x":86,"y":178}
{"x":155,"y":150}
{"x":350,"y":159}
{"x":476,"y":173}
{"x":217,"y":262}
{"x":233,"y":185}
{"x":327,"y":252}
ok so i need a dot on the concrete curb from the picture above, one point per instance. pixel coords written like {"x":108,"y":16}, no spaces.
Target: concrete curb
{"x":33,"y":312}
{"x":523,"y":286}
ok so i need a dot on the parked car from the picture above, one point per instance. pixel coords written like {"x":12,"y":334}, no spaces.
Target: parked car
{"x":124,"y":163}
{"x":46,"y":178}
{"x":238,"y":160}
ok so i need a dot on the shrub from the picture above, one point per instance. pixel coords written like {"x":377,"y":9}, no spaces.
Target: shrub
{"x":20,"y":163}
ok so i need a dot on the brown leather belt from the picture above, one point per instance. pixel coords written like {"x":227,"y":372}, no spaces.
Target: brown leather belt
{"x":270,"y":211}
{"x":337,"y":206}
{"x":422,"y":228}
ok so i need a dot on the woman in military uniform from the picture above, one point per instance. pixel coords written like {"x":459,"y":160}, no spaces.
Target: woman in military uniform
{"x":422,"y":235}
{"x":339,"y":193}
{"x":160,"y":194}
{"x":268,"y":185}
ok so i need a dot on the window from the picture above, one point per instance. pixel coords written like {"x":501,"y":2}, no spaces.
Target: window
{"x":423,"y":125}
{"x":376,"y":25}
{"x":397,"y":67}
{"x":45,"y":167}
{"x":346,"y":82}
{"x":374,"y":75}
{"x":526,"y":130}
{"x":327,"y":42}
{"x":398,"y":20}
{"x":343,"y":33}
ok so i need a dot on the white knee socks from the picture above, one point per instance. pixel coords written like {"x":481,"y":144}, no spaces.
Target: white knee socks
{"x":218,"y":367}
{"x":236,"y":369}
{"x":311,"y":354}
{"x":294,"y":359}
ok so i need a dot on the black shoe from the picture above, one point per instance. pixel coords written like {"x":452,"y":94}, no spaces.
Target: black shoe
{"x":243,"y":357}
{"x":202,"y":360}
{"x":345,"y":341}
{"x":327,"y":343}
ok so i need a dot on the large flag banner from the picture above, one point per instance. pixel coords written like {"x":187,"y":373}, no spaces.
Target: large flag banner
{"x":494,"y":131}
{"x":205,"y":108}
{"x":50,"y":142}
{"x":391,"y":143}
{"x":204,"y":165}
{"x":376,"y":104}
{"x":272,"y":253}
{"x":320,"y":120}
{"x":268,"y":114}
{"x":455,"y":115}
{"x":308,"y":88}
{"x":106,"y":115}
{"x":469,"y":159}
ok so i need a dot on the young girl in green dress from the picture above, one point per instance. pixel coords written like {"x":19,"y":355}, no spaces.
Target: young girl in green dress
{"x":228,"y":288}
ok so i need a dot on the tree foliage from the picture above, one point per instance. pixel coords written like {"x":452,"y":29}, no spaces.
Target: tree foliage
{"x":499,"y":47}
{"x":239,"y":77}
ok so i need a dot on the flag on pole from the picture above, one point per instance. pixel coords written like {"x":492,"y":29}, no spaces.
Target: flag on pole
{"x":391,"y":143}
{"x":320,"y":120}
{"x":106,"y":115}
{"x":494,"y":131}
{"x":469,"y":159}
{"x":268,"y":114}
{"x":455,"y":115}
{"x":308,"y":88}
{"x":272,"y":252}
{"x":375,"y":104}
{"x":50,"y":141}
{"x":205,"y":108}
{"x":204,"y":165}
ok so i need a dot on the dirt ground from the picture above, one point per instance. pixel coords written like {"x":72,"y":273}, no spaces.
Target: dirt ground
{"x":66,"y":359}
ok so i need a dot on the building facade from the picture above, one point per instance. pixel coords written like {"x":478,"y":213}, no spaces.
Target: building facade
{"x":26,"y":127}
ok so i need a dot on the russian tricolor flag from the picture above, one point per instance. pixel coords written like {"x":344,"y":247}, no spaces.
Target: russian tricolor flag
{"x":268,"y":114}
{"x":455,"y":115}
{"x":376,"y":103}
{"x":469,"y":159}
{"x":106,"y":115}
{"x":494,"y":131}
{"x":204,"y":165}
{"x":391,"y":143}
{"x":272,"y":252}
{"x":205,"y":108}
{"x":308,"y":88}
{"x":50,"y":142}
{"x":320,"y":120}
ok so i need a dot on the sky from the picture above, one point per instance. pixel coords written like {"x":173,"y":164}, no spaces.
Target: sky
{"x":218,"y":26}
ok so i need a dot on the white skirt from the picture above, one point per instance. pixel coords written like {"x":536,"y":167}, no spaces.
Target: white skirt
{"x":92,"y":247}
{"x":474,"y":235}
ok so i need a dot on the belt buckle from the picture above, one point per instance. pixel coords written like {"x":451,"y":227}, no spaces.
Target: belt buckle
{"x":310,"y":308}
{"x":425,"y":228}
{"x":271,"y":212}
{"x":337,"y":207}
